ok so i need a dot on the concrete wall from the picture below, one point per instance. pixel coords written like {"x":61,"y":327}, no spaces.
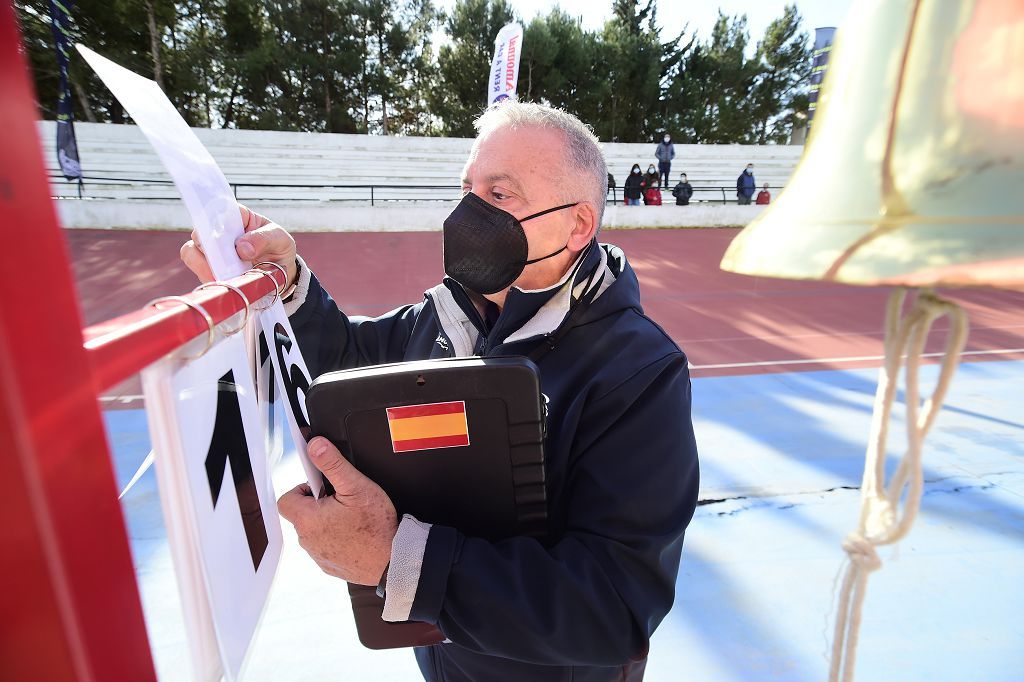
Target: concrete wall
{"x":281,"y":158}
{"x":313,"y":217}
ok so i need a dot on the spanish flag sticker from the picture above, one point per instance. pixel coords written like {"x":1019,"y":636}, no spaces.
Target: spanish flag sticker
{"x":427,"y":427}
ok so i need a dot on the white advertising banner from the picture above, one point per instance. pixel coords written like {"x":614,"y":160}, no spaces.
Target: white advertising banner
{"x":217,"y":496}
{"x":505,"y":64}
{"x":214,"y":213}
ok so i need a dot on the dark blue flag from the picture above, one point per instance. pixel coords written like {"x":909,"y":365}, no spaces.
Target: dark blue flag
{"x":67,"y":147}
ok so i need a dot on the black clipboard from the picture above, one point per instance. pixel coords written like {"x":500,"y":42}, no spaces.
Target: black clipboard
{"x":456,"y":442}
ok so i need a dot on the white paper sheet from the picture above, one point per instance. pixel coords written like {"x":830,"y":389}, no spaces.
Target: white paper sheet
{"x":218,"y":499}
{"x":214,"y":212}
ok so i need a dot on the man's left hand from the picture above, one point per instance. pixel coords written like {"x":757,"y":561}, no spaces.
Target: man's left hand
{"x":348,"y":534}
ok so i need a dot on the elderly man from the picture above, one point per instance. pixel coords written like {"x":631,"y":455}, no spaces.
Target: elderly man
{"x":621,"y":461}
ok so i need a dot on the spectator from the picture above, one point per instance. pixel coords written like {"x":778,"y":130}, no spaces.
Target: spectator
{"x":611,"y":186}
{"x":665,"y":152}
{"x":764,"y":197}
{"x":682,"y":191}
{"x":652,"y":193}
{"x":634,"y":187}
{"x":745,"y":185}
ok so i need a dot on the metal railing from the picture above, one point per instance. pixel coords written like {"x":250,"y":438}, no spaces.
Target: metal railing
{"x":373,"y":193}
{"x":728,"y":193}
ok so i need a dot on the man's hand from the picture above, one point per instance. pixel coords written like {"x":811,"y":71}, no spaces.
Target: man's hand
{"x":263,"y":241}
{"x":348,"y":535}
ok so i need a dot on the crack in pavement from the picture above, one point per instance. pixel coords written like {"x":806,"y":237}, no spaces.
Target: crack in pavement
{"x":986,"y":485}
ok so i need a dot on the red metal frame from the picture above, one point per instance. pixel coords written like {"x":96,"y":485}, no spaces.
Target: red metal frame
{"x":69,"y":604}
{"x":123,"y":346}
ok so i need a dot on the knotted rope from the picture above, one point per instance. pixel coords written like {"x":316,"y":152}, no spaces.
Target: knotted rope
{"x":882,"y":519}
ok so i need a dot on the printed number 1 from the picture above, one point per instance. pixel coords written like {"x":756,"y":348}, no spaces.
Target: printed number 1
{"x":228,"y":445}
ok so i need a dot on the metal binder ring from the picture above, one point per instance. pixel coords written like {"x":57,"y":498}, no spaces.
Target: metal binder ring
{"x":241,"y":294}
{"x":199,"y":309}
{"x":277,"y":291}
{"x":284,"y":273}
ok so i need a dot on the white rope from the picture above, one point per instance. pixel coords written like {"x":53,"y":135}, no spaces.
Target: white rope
{"x":882,"y":520}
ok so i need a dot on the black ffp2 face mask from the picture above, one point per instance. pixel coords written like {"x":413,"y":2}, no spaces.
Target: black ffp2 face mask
{"x":485,"y":247}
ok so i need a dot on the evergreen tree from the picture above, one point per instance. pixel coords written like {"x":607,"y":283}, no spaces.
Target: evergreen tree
{"x":463,"y":65}
{"x":394,"y":79}
{"x":369,"y":66}
{"x":561,"y":65}
{"x":633,"y":53}
{"x":786,"y":60}
{"x":711,"y":89}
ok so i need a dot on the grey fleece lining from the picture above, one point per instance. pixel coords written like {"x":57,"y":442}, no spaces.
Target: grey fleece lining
{"x":407,"y":551}
{"x":298,"y":297}
{"x":454,"y":321}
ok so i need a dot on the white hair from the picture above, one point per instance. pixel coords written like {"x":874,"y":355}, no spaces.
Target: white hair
{"x":586,"y":167}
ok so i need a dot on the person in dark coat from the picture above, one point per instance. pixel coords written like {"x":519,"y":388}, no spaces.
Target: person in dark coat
{"x":745,"y":185}
{"x":634,"y":187}
{"x":652,"y":190}
{"x":621,"y":470}
{"x":665,"y":152}
{"x":682,"y":191}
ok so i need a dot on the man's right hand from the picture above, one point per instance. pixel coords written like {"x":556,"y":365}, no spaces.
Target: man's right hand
{"x":263,"y":241}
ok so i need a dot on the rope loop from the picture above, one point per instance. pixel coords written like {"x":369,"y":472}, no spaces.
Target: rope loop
{"x":888,"y":511}
{"x":862,"y":552}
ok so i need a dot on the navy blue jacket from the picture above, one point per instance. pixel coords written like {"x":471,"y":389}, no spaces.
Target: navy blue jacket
{"x":745,"y":184}
{"x":622,"y":480}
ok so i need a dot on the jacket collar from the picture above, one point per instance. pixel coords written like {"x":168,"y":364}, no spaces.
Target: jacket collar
{"x":527,"y":312}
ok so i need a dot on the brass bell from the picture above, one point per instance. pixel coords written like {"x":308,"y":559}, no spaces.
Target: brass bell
{"x":913,"y":174}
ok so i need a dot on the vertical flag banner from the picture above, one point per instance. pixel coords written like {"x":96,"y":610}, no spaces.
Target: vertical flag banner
{"x":505,"y":65}
{"x":214,"y":212}
{"x":823,"y":39}
{"x":67,"y":147}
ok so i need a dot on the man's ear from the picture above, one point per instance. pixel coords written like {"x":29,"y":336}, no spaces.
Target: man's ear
{"x":585,"y":226}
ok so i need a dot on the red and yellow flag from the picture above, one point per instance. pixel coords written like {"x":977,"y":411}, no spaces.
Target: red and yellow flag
{"x":426,"y":427}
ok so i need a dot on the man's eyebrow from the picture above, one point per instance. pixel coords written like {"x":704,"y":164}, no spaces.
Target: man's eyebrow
{"x":500,"y":177}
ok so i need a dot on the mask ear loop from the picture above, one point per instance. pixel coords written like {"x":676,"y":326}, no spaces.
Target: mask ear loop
{"x":245,"y":300}
{"x":550,"y":210}
{"x":199,"y":309}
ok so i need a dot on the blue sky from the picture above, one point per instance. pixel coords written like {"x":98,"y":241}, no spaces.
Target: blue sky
{"x":674,"y":14}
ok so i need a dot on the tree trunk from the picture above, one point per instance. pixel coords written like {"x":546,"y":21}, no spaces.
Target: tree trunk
{"x":84,"y":101}
{"x":384,"y":81}
{"x":328,"y":123}
{"x":206,"y":77}
{"x":154,"y":45}
{"x":229,"y":112}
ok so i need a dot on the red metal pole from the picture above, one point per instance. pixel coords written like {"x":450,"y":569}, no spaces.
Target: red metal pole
{"x":69,"y":607}
{"x":123,"y":346}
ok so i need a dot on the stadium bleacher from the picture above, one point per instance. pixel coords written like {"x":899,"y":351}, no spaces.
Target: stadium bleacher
{"x":321,"y":170}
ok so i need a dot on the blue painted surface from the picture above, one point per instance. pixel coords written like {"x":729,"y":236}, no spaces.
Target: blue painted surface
{"x":756,"y":593}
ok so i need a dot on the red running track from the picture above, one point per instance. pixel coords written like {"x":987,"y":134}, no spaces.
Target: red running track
{"x":726,"y":323}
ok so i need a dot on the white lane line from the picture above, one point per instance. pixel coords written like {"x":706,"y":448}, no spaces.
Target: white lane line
{"x":120,"y":398}
{"x":819,"y":335}
{"x":862,"y":358}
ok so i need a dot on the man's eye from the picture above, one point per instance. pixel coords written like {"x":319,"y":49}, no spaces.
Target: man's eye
{"x":498,"y":196}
